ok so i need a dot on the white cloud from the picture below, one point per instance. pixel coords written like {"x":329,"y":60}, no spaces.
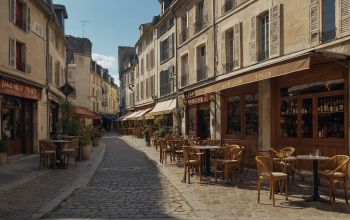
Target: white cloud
{"x":108,"y":62}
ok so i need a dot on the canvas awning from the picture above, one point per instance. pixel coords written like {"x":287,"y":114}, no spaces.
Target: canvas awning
{"x":121,"y":118}
{"x":81,"y":112}
{"x":142,"y":113}
{"x":162,"y":108}
{"x":131,"y":116}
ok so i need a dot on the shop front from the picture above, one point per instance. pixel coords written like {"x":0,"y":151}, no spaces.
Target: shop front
{"x":310,"y":110}
{"x":198,"y":115}
{"x":165,"y":111}
{"x":17,"y":114}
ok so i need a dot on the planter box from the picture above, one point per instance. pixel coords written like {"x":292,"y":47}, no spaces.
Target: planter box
{"x":3,"y":158}
{"x":96,"y":141}
{"x":86,"y":152}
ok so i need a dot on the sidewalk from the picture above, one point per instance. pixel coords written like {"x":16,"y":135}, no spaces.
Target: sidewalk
{"x":238,"y":200}
{"x":27,"y":192}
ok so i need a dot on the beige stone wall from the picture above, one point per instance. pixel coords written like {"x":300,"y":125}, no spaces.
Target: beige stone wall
{"x":80,"y":72}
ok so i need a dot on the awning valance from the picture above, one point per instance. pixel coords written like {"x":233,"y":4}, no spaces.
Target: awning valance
{"x":121,"y":118}
{"x":162,"y":108}
{"x":81,"y":112}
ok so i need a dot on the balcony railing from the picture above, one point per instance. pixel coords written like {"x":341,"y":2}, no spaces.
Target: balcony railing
{"x":21,"y":24}
{"x":228,"y":6}
{"x":202,"y":73}
{"x":200,"y":24}
{"x":184,"y":79}
{"x":328,"y":35}
{"x":184,"y":35}
{"x":21,"y":66}
{"x":228,"y":67}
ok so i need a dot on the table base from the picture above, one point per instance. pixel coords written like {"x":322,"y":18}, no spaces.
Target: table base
{"x":315,"y":198}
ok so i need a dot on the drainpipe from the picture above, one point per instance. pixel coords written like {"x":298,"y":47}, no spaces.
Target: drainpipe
{"x":215,"y":60}
{"x":47,"y":86}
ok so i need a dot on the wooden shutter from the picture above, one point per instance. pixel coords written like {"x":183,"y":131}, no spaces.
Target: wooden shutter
{"x":171,"y":46}
{"x":12,"y":10}
{"x":28,"y":18}
{"x":275,"y":31}
{"x":223,"y":51}
{"x":344,"y":17}
{"x":314,"y":22}
{"x":237,"y":47}
{"x":253,"y":53}
{"x":12,"y":52}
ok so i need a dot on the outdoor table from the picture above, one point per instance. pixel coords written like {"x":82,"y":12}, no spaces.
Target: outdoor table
{"x":315,"y":196}
{"x":59,"y":144}
{"x":75,"y":137}
{"x":206,"y":156}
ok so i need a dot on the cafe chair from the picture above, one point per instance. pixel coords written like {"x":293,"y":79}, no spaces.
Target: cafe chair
{"x":71,"y":151}
{"x":192,"y":162}
{"x":230,"y":163}
{"x":265,"y":172}
{"x":335,"y":171}
{"x":165,"y":150}
{"x":289,"y":166}
{"x":47,"y":154}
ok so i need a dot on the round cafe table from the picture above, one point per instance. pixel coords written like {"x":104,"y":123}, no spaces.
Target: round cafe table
{"x":206,"y":149}
{"x":315,"y":196}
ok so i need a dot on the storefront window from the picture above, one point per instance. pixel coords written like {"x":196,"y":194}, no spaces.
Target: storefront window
{"x":251,"y":115}
{"x":11,"y":118}
{"x":234,"y":115}
{"x":7,"y":123}
{"x":191,"y":120}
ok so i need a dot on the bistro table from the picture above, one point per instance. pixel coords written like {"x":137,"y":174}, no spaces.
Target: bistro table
{"x":59,"y":144}
{"x":206,"y":156}
{"x":315,"y":196}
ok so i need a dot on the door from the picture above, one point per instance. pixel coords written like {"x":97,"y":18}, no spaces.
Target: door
{"x":204,"y":123}
{"x":27,"y":138}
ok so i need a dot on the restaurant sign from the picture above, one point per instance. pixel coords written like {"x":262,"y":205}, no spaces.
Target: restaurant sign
{"x":198,"y":99}
{"x":19,"y":89}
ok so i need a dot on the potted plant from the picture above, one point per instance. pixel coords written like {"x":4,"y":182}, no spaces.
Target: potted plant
{"x":3,"y":152}
{"x":96,"y":137}
{"x":86,"y":147}
{"x":147,"y":136}
{"x":162,"y":133}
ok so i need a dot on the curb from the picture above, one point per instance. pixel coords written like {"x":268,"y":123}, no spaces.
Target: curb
{"x":82,"y":181}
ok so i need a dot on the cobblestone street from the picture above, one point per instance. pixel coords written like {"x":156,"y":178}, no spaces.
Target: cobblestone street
{"x":126,"y":185}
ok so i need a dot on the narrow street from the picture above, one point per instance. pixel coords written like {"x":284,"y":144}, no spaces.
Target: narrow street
{"x":125,"y":185}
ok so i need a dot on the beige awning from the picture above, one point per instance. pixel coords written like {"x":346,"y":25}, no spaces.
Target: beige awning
{"x":142,"y":114}
{"x":162,"y":108}
{"x":121,"y":118}
{"x":138,"y":115}
{"x":265,"y":73}
{"x":131,"y":116}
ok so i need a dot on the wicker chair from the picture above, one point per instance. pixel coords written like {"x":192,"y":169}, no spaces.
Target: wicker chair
{"x":47,"y":154}
{"x":335,"y":171}
{"x":164,"y":151}
{"x":289,"y":166}
{"x":192,"y":161}
{"x":71,"y":151}
{"x":231,"y":162}
{"x":265,"y":172}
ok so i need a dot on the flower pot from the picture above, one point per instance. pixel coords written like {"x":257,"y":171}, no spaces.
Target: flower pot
{"x":96,"y":141}
{"x":86,"y":152}
{"x":3,"y":158}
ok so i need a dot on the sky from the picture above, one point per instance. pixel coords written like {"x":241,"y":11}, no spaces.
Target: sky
{"x":110,"y":23}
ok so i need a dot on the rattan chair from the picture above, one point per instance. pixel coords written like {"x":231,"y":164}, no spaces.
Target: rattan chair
{"x":47,"y":154}
{"x":289,"y":166}
{"x":71,"y":151}
{"x":230,"y":163}
{"x":165,"y":150}
{"x":192,"y":162}
{"x":335,"y":171}
{"x":265,"y":172}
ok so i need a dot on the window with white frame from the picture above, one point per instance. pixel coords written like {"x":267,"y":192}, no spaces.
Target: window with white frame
{"x":264,"y":36}
{"x":328,"y":20}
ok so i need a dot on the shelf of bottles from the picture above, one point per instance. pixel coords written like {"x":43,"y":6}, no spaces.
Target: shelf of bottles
{"x":306,"y":118}
{"x":289,"y":118}
{"x":234,"y":115}
{"x":330,"y":117}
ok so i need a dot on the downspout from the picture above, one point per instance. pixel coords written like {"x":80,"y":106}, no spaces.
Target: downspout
{"x":47,"y":86}
{"x":215,"y":62}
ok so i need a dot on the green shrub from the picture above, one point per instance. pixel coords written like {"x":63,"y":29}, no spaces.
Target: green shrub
{"x":162,"y":133}
{"x":97,"y":133}
{"x":86,"y":138}
{"x":3,"y":146}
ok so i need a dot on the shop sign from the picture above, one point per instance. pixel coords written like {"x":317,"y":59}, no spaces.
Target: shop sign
{"x":267,"y":73}
{"x":190,"y":94}
{"x":19,"y":89}
{"x":198,"y":99}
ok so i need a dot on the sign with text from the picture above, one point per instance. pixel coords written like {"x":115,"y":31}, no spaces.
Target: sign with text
{"x":19,"y":89}
{"x":198,"y":99}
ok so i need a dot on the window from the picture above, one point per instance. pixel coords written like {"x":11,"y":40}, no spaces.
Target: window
{"x":57,"y":74}
{"x":264,"y":36}
{"x":228,"y":6}
{"x":201,"y":20}
{"x":20,"y":14}
{"x":142,"y":90}
{"x":184,"y":28}
{"x":229,"y":50}
{"x":153,"y":87}
{"x":142,"y":67}
{"x":328,"y":20}
{"x":191,"y":120}
{"x":20,"y":57}
{"x":147,"y":88}
{"x":49,"y":71}
{"x":184,"y":70}
{"x":201,"y":63}
{"x":165,"y":83}
{"x":137,"y":92}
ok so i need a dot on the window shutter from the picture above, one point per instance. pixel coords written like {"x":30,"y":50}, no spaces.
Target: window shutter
{"x":237,"y":47}
{"x":344,"y":17}
{"x":28,"y":18}
{"x":12,"y":10}
{"x":223,"y":51}
{"x":12,"y":52}
{"x":171,"y":50}
{"x":275,"y":31}
{"x":314,"y":22}
{"x":253,"y":55}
